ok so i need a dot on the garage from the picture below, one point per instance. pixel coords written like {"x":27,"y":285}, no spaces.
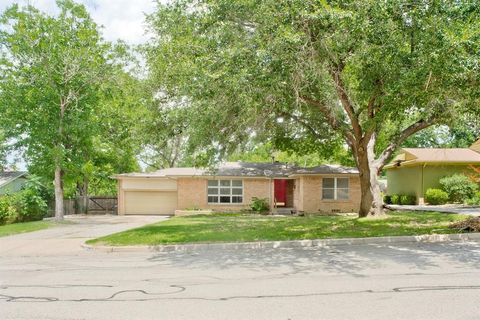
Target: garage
{"x":150,"y":202}
{"x":141,"y":194}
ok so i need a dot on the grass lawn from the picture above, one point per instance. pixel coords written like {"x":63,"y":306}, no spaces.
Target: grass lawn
{"x":23,"y":227}
{"x":244,"y":227}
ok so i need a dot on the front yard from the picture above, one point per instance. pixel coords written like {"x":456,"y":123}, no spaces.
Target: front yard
{"x":245,"y":227}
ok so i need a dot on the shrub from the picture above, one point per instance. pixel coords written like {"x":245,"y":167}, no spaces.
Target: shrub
{"x":26,"y":205}
{"x":30,"y":206}
{"x":459,"y":187}
{"x":395,"y":199}
{"x":387,"y":199}
{"x":260,"y":204}
{"x":436,"y":196}
{"x":8,"y":212}
{"x":475,"y":201}
{"x":408,"y":200}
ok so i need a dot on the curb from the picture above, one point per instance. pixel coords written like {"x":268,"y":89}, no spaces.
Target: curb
{"x":432,"y":238}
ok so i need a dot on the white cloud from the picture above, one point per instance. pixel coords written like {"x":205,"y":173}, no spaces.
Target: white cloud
{"x":121,"y":19}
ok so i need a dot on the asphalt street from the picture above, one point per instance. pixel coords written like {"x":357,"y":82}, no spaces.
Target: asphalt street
{"x":407,"y":281}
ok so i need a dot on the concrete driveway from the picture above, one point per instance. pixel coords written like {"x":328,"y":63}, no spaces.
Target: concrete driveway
{"x":68,"y":238}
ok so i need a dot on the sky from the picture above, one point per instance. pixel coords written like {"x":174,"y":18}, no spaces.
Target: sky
{"x":120,"y":20}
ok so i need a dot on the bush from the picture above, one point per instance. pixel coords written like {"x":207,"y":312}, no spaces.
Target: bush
{"x":459,"y":187}
{"x":436,"y":196}
{"x":26,"y":205}
{"x":387,"y":199}
{"x":8,"y":211}
{"x":408,"y":200}
{"x":475,"y":201}
{"x":395,"y":199}
{"x":260,"y":204}
{"x":30,"y":205}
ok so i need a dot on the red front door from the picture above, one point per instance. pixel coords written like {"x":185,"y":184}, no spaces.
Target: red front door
{"x":280,"y":191}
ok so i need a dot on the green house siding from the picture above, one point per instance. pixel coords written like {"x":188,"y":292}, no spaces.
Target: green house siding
{"x":416,"y":180}
{"x":13,"y":186}
{"x":404,"y":180}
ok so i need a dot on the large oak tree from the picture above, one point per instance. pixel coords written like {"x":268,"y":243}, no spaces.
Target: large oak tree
{"x":370,"y":72}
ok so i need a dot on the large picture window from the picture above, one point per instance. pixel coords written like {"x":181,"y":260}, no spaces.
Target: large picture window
{"x":225,"y":191}
{"x":335,"y":188}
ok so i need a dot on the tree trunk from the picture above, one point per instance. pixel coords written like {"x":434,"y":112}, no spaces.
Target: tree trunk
{"x":82,"y":200}
{"x":371,"y":203}
{"x":58,"y":193}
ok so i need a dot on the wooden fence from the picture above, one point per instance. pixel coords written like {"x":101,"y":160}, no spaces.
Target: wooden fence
{"x":96,"y":205}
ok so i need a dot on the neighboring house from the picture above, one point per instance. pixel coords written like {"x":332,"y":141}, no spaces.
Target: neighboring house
{"x":233,"y":185}
{"x":415,"y":170}
{"x":12,"y":181}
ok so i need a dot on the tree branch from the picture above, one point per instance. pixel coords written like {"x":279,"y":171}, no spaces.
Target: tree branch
{"x":302,"y":122}
{"x":332,"y":120}
{"x":414,"y":128}
{"x":346,"y":103}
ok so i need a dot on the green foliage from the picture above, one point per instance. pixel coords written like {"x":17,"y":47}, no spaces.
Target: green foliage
{"x":26,"y":205}
{"x":30,"y":206}
{"x":387,"y":199}
{"x":408,"y":199}
{"x":459,"y":187}
{"x":8,"y":210}
{"x":260,"y":205}
{"x":436,"y":196}
{"x":65,"y":97}
{"x":265,"y":152}
{"x":395,"y":199}
{"x":475,"y":200}
{"x":266,"y":69}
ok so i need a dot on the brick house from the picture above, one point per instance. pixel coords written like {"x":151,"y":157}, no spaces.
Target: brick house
{"x":232,"y":185}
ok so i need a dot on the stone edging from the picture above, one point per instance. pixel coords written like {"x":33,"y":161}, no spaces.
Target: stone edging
{"x":288,"y":244}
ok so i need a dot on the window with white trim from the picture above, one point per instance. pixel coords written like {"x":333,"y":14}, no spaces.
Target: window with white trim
{"x":225,"y":191}
{"x":335,"y":188}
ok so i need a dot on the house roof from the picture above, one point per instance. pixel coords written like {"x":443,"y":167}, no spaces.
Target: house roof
{"x":412,"y":156}
{"x":8,"y":176}
{"x":246,"y":169}
{"x":444,"y":155}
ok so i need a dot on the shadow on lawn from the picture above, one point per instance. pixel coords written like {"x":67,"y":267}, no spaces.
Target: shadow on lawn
{"x":352,"y":260}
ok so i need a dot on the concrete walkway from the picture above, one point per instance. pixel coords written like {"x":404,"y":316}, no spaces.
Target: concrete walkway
{"x":68,"y":238}
{"x":459,"y":209}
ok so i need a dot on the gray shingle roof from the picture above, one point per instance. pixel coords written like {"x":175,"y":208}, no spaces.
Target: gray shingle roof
{"x":247,"y":169}
{"x":8,"y":176}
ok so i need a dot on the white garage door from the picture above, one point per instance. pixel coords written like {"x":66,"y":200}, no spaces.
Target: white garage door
{"x":150,"y":202}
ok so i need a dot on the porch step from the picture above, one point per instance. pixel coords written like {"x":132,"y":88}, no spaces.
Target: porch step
{"x":285,"y":211}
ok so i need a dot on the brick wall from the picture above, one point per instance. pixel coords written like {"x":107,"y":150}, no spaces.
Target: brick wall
{"x":311,"y":196}
{"x":192,"y":193}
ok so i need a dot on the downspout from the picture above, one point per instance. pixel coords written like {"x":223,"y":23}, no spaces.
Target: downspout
{"x":271,"y":196}
{"x":421,"y":200}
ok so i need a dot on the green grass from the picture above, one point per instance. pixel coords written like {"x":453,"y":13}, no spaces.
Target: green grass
{"x":23,"y":227}
{"x":244,"y":227}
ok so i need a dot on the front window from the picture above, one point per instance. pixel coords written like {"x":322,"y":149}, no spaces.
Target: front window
{"x":335,"y":188}
{"x":225,"y":191}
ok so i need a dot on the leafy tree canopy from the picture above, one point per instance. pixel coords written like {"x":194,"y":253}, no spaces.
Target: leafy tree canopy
{"x":369,"y":74}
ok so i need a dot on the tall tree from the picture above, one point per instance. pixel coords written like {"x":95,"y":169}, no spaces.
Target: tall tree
{"x":51,"y":69}
{"x":371,"y":73}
